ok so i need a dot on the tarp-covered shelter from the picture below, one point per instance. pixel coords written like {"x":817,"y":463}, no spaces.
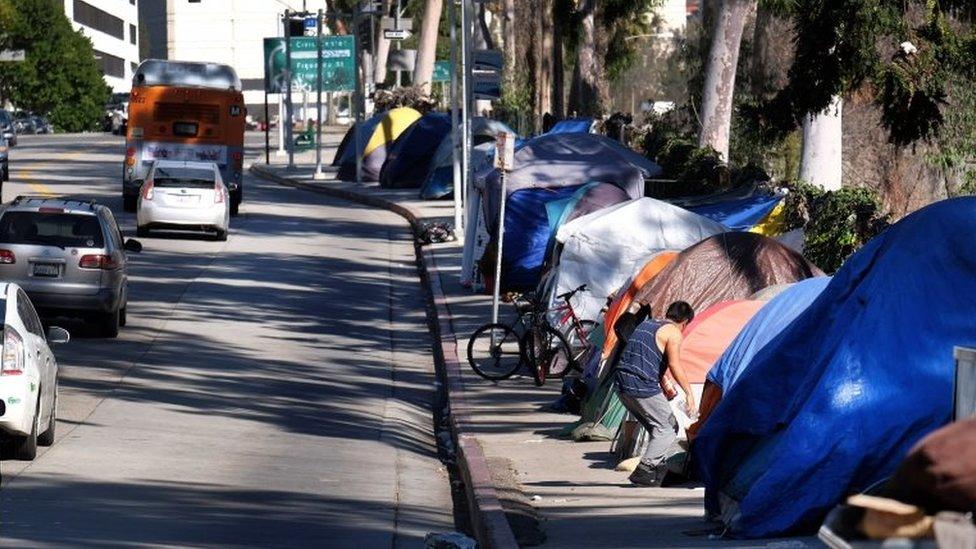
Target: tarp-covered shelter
{"x":439,"y":182}
{"x":606,"y":247}
{"x":572,"y":125}
{"x":756,"y":213}
{"x":724,"y":267}
{"x":832,"y":404}
{"x":376,"y":137}
{"x":410,"y":158}
{"x":556,"y":161}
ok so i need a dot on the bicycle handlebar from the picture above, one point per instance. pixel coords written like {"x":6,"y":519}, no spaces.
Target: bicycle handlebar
{"x":571,"y":293}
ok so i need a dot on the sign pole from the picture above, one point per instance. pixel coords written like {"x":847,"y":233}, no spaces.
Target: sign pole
{"x":318,"y":126}
{"x":455,"y":160}
{"x":465,"y":97}
{"x":504,"y":159}
{"x":289,"y":138}
{"x":267,"y":130}
{"x":360,"y":101}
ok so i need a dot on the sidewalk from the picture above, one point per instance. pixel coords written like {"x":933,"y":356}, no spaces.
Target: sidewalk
{"x":569,"y":489}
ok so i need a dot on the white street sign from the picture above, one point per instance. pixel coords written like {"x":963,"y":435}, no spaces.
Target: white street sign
{"x":505,"y":151}
{"x":13,"y":55}
{"x":392,"y":23}
{"x":396,"y":34}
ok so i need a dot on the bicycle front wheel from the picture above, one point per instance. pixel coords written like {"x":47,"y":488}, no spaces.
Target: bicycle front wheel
{"x":494,"y":352}
{"x":549,"y":354}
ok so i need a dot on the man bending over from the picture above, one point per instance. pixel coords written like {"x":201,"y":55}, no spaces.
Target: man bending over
{"x":652,"y":349}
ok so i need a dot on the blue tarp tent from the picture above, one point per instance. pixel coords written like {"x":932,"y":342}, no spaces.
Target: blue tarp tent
{"x":833,"y":404}
{"x":740,"y":214}
{"x":572,"y":125}
{"x":347,"y":154}
{"x":527,"y":234}
{"x":768,"y":323}
{"x":410,"y":158}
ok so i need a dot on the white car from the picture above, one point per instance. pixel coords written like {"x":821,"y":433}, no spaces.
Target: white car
{"x":183,"y":195}
{"x":28,"y":375}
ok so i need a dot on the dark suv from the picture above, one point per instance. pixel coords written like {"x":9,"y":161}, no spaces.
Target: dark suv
{"x":7,"y":128}
{"x":69,"y":256}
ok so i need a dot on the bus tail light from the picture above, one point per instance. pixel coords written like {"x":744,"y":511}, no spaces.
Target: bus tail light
{"x":130,"y":156}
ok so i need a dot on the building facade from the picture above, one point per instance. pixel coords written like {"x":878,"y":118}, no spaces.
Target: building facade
{"x":113,"y":28}
{"x":219,"y":31}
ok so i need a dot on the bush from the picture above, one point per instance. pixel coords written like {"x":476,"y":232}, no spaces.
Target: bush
{"x":837,"y":223}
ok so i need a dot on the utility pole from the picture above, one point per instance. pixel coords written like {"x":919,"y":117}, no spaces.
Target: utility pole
{"x":455,"y":159}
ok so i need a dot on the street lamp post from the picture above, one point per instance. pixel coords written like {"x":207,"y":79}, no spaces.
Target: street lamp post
{"x":289,"y":138}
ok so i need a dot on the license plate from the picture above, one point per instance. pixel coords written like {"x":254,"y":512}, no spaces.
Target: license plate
{"x":188,"y":198}
{"x":47,"y":269}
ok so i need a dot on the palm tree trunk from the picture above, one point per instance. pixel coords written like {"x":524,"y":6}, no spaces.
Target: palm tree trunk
{"x":424,"y":70}
{"x":719,"y":88}
{"x":382,"y":49}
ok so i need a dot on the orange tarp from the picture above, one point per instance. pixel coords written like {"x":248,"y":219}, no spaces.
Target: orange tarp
{"x":711,"y":332}
{"x":623,"y":301}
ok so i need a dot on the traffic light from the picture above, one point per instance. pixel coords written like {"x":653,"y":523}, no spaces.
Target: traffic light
{"x":296,"y":27}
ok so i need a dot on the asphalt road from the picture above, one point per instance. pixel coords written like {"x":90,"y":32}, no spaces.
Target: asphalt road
{"x":271,"y":390}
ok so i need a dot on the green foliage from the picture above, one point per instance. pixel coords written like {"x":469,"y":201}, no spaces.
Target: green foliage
{"x":517,"y":103}
{"x":837,"y":223}
{"x":954,"y":153}
{"x":842,"y":45}
{"x":60,"y":76}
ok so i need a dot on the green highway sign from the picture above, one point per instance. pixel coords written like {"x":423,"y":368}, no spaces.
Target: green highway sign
{"x":442,"y":71}
{"x":338,"y":63}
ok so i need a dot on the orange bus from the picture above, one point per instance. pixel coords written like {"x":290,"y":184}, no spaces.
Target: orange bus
{"x":184,"y":111}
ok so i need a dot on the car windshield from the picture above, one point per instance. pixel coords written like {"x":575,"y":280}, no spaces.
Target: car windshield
{"x":199,"y":178}
{"x":51,"y":229}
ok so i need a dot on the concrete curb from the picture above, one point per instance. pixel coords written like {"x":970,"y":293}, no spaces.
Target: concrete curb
{"x":491,"y":527}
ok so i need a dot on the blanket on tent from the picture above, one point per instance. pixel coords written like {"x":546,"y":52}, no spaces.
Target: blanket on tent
{"x":832,"y":404}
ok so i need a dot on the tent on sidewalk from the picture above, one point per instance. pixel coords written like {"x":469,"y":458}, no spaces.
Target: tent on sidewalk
{"x":832,"y":404}
{"x":439,"y":182}
{"x":550,"y":162}
{"x":572,"y":125}
{"x":724,"y":267}
{"x":604,"y":248}
{"x":410,"y":158}
{"x":376,"y":136}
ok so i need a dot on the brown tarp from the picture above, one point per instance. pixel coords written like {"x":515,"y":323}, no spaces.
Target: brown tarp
{"x":724,"y":267}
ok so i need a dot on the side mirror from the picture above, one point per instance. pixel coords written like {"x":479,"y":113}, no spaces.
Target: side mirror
{"x":58,"y":335}
{"x":132,"y":245}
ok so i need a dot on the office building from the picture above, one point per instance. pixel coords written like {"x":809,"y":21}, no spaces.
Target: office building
{"x":113,"y":28}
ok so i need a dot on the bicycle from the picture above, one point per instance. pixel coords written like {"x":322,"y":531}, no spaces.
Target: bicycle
{"x":497,"y":351}
{"x":560,"y":348}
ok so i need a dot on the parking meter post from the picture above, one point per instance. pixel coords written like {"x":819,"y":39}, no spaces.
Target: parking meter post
{"x":318,"y":126}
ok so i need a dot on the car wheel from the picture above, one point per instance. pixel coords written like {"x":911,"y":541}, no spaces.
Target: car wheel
{"x":142,"y":232}
{"x":25,"y":448}
{"x":129,"y":203}
{"x":47,"y":437}
{"x":221,"y":235}
{"x":109,"y":324}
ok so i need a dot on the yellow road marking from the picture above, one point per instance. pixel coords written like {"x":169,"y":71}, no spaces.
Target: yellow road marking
{"x":41,"y":188}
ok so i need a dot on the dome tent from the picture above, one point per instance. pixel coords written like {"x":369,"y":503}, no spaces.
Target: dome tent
{"x":439,"y":182}
{"x":376,"y":136}
{"x":410,"y":158}
{"x":868,"y":363}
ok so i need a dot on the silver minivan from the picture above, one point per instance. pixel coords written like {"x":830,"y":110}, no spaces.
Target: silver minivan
{"x":69,"y":256}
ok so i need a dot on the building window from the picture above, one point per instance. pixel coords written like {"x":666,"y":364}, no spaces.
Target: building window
{"x":133,"y":66}
{"x":100,"y":20}
{"x":110,"y":65}
{"x":132,"y":34}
